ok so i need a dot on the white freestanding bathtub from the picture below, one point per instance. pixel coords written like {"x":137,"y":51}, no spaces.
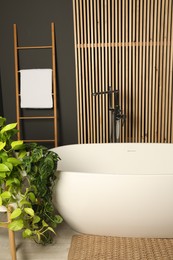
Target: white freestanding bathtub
{"x":116,"y":189}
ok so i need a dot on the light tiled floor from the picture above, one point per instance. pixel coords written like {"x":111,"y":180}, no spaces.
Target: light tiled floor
{"x":29,"y":250}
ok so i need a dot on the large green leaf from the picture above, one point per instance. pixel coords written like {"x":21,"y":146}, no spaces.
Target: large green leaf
{"x":36,"y":219}
{"x":3,"y":156}
{"x":2,"y":175}
{"x":0,"y":201}
{"x":38,"y":235}
{"x":27,"y":163}
{"x":46,"y":167}
{"x":44,"y":223}
{"x":16,"y":213}
{"x":17,"y":145}
{"x":31,"y":196}
{"x":36,"y":154}
{"x":51,"y":229}
{"x":12,"y":180}
{"x":14,"y":161}
{"x":5,"y":195}
{"x":9,"y":165}
{"x":29,"y":211}
{"x":27,"y":233}
{"x":2,"y":120}
{"x":8,"y":127}
{"x":21,"y":154}
{"x":16,"y":225}
{"x":24,"y":202}
{"x":4,"y":168}
{"x":58,"y":219}
{"x":2,"y":145}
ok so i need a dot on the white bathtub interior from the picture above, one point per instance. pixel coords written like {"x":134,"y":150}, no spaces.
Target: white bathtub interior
{"x":119,"y":158}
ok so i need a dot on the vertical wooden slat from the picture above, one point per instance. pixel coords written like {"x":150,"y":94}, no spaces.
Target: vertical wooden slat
{"x":137,"y":75}
{"x":157,"y":73}
{"x":140,"y":73}
{"x":169,"y":60}
{"x":147,"y":75}
{"x":167,"y":94}
{"x":88,"y":71}
{"x":122,"y":54}
{"x":115,"y":70}
{"x":106,"y":68}
{"x":143,"y":73}
{"x":100,"y":72}
{"x":153,"y":86}
{"x":163,"y":112}
{"x":129,"y":112}
{"x":165,"y":47}
{"x":110,"y":49}
{"x":93,"y":82}
{"x":103,"y":69}
{"x":82,"y":119}
{"x":133,"y":73}
{"x":109,"y":42}
{"x":83,"y":72}
{"x":171,"y":79}
{"x":89,"y":63}
{"x":126,"y":105}
{"x":160,"y":125}
{"x":161,"y":87}
{"x":119,"y":57}
{"x":113,"y":63}
{"x":112,"y":73}
{"x":96,"y":70}
{"x":150,"y":72}
{"x":170,"y":73}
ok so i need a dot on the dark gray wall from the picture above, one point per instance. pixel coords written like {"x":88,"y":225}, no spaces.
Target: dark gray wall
{"x":1,"y":104}
{"x":33,"y":19}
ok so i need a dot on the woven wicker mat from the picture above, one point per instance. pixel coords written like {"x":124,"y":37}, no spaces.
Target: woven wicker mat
{"x":89,"y":247}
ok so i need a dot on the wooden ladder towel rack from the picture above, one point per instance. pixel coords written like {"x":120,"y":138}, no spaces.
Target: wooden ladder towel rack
{"x":21,"y":118}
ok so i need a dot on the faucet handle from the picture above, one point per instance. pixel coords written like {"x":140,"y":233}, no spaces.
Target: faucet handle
{"x":105,"y":92}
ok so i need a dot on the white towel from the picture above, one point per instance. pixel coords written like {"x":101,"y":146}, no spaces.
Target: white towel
{"x":36,"y":88}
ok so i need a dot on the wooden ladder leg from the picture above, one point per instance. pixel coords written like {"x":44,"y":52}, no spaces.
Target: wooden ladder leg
{"x":12,"y":244}
{"x":11,"y":239}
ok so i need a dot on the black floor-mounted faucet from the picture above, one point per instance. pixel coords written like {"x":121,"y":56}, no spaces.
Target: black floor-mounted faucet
{"x":114,"y":112}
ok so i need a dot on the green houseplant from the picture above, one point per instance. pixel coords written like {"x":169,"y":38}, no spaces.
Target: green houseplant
{"x":27,"y":176}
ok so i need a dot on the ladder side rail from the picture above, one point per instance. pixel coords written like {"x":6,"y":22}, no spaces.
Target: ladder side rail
{"x":54,"y":84}
{"x":16,"y":80}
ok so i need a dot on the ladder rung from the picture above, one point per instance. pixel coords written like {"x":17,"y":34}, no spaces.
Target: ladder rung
{"x":34,"y":47}
{"x":36,"y":117}
{"x":34,"y":140}
{"x":20,"y":94}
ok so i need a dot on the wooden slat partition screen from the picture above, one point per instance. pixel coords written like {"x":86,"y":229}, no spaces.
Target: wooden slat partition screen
{"x":128,"y":45}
